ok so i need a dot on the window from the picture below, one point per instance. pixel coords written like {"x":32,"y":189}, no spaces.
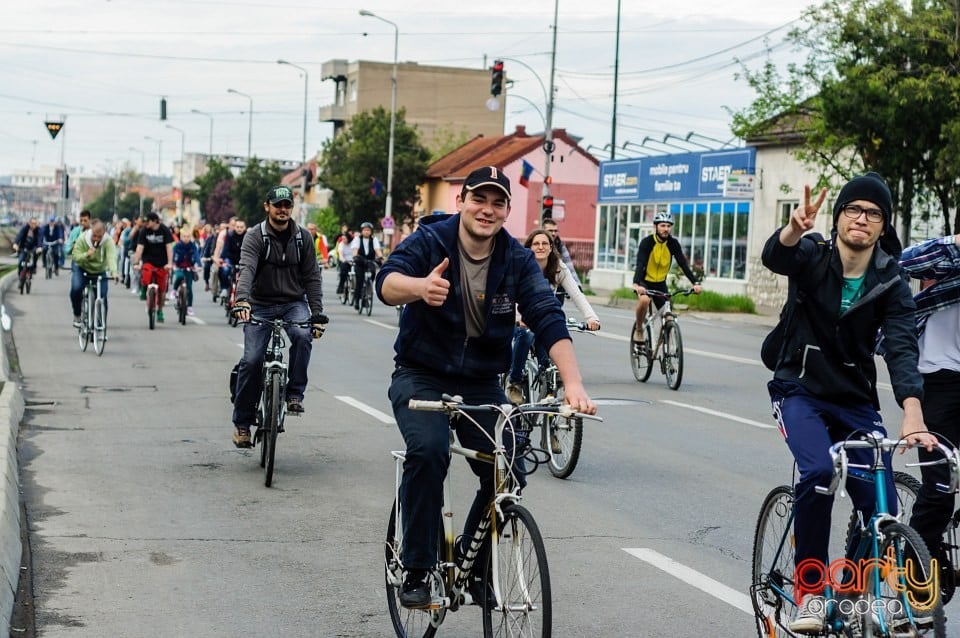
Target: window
{"x":353,"y":90}
{"x":786,"y":208}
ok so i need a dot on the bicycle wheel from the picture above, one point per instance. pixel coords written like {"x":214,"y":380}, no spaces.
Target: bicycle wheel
{"x":641,"y":356}
{"x":152,"y":306}
{"x":182,"y":304}
{"x":672,"y":354}
{"x":23,"y":280}
{"x":408,"y":623}
{"x":29,"y":282}
{"x":907,"y":488}
{"x":895,"y":589}
{"x":561,"y":437}
{"x":99,"y":327}
{"x":49,"y":270}
{"x":83,"y":332}
{"x":521,"y":577}
{"x":368,"y":297}
{"x":773,"y":570}
{"x":272,"y":429}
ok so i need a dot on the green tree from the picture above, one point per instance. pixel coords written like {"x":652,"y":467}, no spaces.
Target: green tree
{"x":351,"y":161}
{"x":103,"y":206}
{"x":328,"y":224}
{"x":879,"y":90}
{"x":217,"y":172}
{"x":251,"y":187}
{"x":446,"y":139}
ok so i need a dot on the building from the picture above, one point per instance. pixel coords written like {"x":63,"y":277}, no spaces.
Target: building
{"x":440,"y":101}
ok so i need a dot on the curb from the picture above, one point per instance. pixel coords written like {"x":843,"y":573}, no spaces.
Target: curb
{"x":11,"y":411}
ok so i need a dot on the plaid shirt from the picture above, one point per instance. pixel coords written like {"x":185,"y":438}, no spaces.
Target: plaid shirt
{"x":937,"y":259}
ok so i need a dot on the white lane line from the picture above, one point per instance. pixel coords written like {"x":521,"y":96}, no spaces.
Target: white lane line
{"x":722,"y":415}
{"x":381,"y":324}
{"x":197,"y":320}
{"x":692,"y":577}
{"x":701,"y":353}
{"x":363,"y":407}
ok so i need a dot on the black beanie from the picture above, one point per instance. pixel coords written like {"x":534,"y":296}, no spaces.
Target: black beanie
{"x":872,"y":188}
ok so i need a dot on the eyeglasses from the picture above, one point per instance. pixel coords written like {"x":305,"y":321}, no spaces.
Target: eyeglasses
{"x":540,"y":244}
{"x":852,"y":211}
{"x":283,"y":204}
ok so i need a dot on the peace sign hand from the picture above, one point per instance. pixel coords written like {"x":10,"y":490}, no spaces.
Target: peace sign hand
{"x":802,"y":218}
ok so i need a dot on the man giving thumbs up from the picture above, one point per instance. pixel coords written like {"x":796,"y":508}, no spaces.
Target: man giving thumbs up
{"x":461,"y":276}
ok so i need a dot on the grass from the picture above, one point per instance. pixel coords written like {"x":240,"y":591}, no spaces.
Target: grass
{"x":706,"y":301}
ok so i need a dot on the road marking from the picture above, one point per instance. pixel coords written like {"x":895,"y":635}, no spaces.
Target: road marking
{"x":692,"y":577}
{"x":381,"y":324}
{"x":722,"y":415}
{"x":363,"y":407}
{"x":197,"y":320}
{"x":702,"y":353}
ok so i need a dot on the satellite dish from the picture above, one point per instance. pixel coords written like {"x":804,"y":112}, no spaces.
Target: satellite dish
{"x":493,"y":104}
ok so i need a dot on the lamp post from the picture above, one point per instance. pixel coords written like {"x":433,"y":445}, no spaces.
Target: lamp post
{"x":303,"y":154}
{"x":704,"y":137}
{"x":393,"y":109}
{"x":159,"y":152}
{"x":249,"y":121}
{"x":210,"y":146}
{"x":183,"y":142}
{"x":143,"y":170}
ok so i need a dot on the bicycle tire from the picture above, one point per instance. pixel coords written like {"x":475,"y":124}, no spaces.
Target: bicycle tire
{"x":263,"y":408}
{"x":23,"y":281}
{"x":773,"y":565}
{"x":672,"y":354}
{"x":524,"y":579}
{"x":99,"y":327}
{"x":561,"y":437}
{"x":273,"y":428}
{"x":641,"y":357}
{"x":407,"y":623}
{"x":151,"y":307}
{"x":368,"y":297}
{"x":182,"y":304}
{"x":49,"y":271}
{"x":83,"y":334}
{"x":902,"y":543}
{"x":29,"y":283}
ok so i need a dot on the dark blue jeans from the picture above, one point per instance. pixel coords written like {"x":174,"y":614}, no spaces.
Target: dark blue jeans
{"x":255,"y":342}
{"x":78,"y":281}
{"x":810,"y":426}
{"x":427,"y":436}
{"x":523,"y":338}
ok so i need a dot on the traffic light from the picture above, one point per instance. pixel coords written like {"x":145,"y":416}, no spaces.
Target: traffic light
{"x":66,"y":187}
{"x":496,"y":78}
{"x":547,"y":207}
{"x":163,"y":108}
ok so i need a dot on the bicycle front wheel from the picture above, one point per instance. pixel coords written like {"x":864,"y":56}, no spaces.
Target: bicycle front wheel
{"x":99,"y":327}
{"x":521,"y":579}
{"x":182,"y":304}
{"x":672,"y":354}
{"x":407,"y":623}
{"x":152,"y":306}
{"x":83,"y":334}
{"x":641,"y":355}
{"x":368,"y":298}
{"x":772,"y":589}
{"x":561,"y":437}
{"x":273,"y":428}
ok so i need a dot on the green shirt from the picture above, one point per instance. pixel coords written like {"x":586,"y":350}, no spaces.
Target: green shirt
{"x":852,"y":290}
{"x":104,"y":259}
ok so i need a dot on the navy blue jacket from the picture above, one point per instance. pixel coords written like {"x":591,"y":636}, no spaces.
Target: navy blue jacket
{"x":832,"y":354}
{"x":435,"y":338}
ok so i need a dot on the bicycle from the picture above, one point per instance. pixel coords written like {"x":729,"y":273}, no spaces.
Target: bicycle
{"x":214,"y":280}
{"x":879,"y":592}
{"x":50,"y":260}
{"x":25,"y":270}
{"x":181,"y":298}
{"x":272,"y":405}
{"x":515,"y":572}
{"x":365,"y":302}
{"x":560,"y":439}
{"x":346,"y":295}
{"x":668,"y":349}
{"x":229,"y":300}
{"x":93,"y":315}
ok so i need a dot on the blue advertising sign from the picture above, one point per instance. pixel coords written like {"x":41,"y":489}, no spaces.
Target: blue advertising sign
{"x":683,"y":176}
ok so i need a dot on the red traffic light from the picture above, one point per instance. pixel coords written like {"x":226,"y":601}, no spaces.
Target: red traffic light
{"x":496,"y":78}
{"x":548,"y":201}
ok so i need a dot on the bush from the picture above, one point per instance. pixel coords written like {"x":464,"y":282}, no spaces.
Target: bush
{"x":706,"y":301}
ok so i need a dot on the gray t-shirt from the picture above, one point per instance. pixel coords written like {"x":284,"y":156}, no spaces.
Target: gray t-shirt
{"x":473,"y":282}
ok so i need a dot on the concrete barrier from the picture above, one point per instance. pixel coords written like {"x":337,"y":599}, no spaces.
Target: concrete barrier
{"x":11,"y":411}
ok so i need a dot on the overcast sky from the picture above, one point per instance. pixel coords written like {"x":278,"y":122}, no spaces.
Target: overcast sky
{"x":106,"y":63}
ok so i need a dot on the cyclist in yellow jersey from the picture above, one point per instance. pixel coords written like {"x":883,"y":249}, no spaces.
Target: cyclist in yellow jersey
{"x":654,"y":256}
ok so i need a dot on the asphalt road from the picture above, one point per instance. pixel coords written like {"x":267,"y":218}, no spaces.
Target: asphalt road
{"x":144,"y":520}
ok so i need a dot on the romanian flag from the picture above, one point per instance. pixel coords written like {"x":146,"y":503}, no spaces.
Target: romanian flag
{"x":376,"y":187}
{"x":525,"y":172}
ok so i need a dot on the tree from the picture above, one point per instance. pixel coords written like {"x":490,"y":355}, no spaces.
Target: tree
{"x":879,"y":90}
{"x":353,"y":163}
{"x":328,"y":224}
{"x":251,"y":187}
{"x":217,"y":172}
{"x":103,"y":206}
{"x":219,"y":206}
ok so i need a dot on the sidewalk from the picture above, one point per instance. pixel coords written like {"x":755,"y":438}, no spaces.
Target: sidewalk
{"x":765,"y":315}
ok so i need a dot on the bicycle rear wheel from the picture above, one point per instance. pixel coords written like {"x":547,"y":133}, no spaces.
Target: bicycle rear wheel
{"x":272,"y":428}
{"x":522,"y":579}
{"x":99,"y":327}
{"x":407,"y":623}
{"x":672,"y":354}
{"x":773,"y":564}
{"x":641,"y":355}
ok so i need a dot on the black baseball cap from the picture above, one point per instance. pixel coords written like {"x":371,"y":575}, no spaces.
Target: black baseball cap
{"x":278,"y":194}
{"x":487,"y":176}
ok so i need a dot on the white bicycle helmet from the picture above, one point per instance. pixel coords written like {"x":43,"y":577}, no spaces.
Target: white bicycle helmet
{"x":663,"y":218}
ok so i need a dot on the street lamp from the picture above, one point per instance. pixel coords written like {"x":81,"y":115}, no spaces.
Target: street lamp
{"x":249,"y":122}
{"x":183,"y":142}
{"x":210,"y":147}
{"x":303,"y":155}
{"x":686,"y":141}
{"x":656,"y":141}
{"x":640,"y":149}
{"x":159,"y":152}
{"x":393,"y":108}
{"x":704,"y":137}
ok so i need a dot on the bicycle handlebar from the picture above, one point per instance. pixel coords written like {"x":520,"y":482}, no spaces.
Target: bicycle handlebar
{"x":451,"y":404}
{"x":579,"y":326}
{"x":667,"y":295}
{"x":283,"y":323}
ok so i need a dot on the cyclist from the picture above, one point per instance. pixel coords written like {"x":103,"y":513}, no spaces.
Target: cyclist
{"x":367,"y":253}
{"x":84,"y":224}
{"x":279,"y":277}
{"x":550,"y":225}
{"x":937,"y":261}
{"x":52,"y":237}
{"x":461,"y":277}
{"x":654,"y":256}
{"x":154,"y":258}
{"x":186,"y":257}
{"x":345,"y":259}
{"x":319,"y":245}
{"x":824,"y":385}
{"x":209,"y":244}
{"x":556,"y":272}
{"x":230,"y":255}
{"x":94,"y":254}
{"x":27,"y":245}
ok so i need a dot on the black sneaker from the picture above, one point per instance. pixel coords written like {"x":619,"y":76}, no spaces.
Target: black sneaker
{"x":415,"y":592}
{"x":478,"y":592}
{"x":295,"y":407}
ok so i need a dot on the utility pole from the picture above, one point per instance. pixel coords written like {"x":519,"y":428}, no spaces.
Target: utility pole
{"x":548,"y":145}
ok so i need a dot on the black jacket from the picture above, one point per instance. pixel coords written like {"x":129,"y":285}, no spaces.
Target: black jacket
{"x":832,"y":354}
{"x":643,"y":256}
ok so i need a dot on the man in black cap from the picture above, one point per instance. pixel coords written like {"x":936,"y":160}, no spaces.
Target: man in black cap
{"x":279,"y":278}
{"x":824,"y":385}
{"x":461,"y":277}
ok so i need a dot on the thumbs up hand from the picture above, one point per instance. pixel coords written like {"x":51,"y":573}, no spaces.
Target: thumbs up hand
{"x":435,"y":287}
